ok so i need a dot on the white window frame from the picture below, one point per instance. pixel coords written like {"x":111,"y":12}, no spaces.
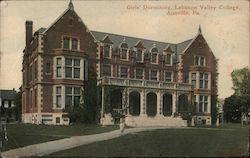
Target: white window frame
{"x":72,"y":95}
{"x":73,"y":67}
{"x":142,"y":55}
{"x":193,"y":79}
{"x":120,"y":67}
{"x":157,"y":74}
{"x":58,"y":95}
{"x":135,"y":71}
{"x":171,"y":61}
{"x":165,"y":79}
{"x":204,"y":80}
{"x":156,"y":58}
{"x":63,"y":95}
{"x":199,"y":60}
{"x":109,"y":52}
{"x":203,"y":100}
{"x":121,"y":51}
{"x":103,"y":64}
{"x":63,"y":68}
{"x":71,"y":42}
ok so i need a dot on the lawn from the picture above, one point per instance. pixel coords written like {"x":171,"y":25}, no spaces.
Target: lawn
{"x":20,"y":135}
{"x":228,"y":140}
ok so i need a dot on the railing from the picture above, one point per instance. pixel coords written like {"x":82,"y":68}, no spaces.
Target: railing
{"x":144,"y":83}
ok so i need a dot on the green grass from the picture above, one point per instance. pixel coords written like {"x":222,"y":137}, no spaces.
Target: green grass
{"x":20,"y":135}
{"x":228,"y":140}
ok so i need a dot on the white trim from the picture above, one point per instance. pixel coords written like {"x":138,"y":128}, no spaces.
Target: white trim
{"x":143,"y":72}
{"x":120,"y":66}
{"x":157,"y":75}
{"x":171,"y":75}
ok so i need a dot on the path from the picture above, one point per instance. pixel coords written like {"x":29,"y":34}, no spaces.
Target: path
{"x":68,"y":143}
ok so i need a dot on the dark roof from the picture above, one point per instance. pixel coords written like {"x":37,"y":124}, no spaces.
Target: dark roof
{"x":132,"y":41}
{"x":41,"y":30}
{"x":7,"y":94}
{"x":182,"y":46}
{"x":148,"y":44}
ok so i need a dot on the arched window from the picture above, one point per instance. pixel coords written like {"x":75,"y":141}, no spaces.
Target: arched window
{"x":151,"y":106}
{"x":134,"y":103}
{"x":154,"y":55}
{"x":124,"y":51}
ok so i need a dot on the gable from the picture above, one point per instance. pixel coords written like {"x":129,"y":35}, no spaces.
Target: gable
{"x":107,"y":40}
{"x":198,"y":45}
{"x":139,"y":45}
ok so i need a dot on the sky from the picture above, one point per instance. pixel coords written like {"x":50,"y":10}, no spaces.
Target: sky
{"x":224,"y":24}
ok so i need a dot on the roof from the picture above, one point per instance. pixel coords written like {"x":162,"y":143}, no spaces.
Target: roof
{"x":182,"y":46}
{"x":7,"y":94}
{"x":132,"y":41}
{"x":41,"y":30}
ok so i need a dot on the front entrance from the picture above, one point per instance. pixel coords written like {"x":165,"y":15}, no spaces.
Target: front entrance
{"x":115,"y":104}
{"x":151,"y":107}
{"x":134,"y":103}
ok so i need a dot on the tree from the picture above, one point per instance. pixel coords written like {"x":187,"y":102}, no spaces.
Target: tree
{"x":241,"y":86}
{"x":232,"y":109}
{"x":18,"y":103}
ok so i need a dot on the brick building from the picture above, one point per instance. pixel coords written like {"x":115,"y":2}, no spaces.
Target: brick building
{"x":153,"y":83}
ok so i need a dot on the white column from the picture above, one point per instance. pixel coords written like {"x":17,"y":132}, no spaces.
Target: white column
{"x":174,"y":103}
{"x":209,"y":104}
{"x":159,"y":104}
{"x":143,"y":103}
{"x":102,"y":110}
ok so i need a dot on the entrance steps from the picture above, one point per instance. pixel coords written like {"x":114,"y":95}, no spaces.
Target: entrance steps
{"x":136,"y":121}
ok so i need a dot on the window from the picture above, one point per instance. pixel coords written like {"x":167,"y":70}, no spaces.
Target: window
{"x":139,"y":73}
{"x":124,"y":53}
{"x":106,"y":70}
{"x":139,"y":55}
{"x":70,"y":43}
{"x":75,"y":43}
{"x":72,"y":97}
{"x":58,"y":120}
{"x":72,"y":68}
{"x":153,"y":75}
{"x":106,"y":51}
{"x":124,"y":72}
{"x":193,"y":79}
{"x":203,"y":80}
{"x":168,"y":76}
{"x":154,"y":58}
{"x":47,"y":68}
{"x":168,"y":59}
{"x":58,"y":97}
{"x":58,"y":67}
{"x":66,"y":43}
{"x":200,"y":61}
{"x":203,"y":103}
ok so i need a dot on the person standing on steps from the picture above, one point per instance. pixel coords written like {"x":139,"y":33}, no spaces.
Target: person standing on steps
{"x":122,"y":124}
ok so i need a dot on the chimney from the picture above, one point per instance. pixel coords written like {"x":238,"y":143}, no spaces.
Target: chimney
{"x":29,"y":31}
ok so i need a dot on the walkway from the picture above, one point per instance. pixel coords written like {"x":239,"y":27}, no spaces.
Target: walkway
{"x":68,"y":143}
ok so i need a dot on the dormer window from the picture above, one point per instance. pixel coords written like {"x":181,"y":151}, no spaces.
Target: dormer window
{"x":168,"y":59}
{"x":199,"y":60}
{"x":154,"y":56}
{"x":71,"y":43}
{"x":124,"y":51}
{"x":106,"y":51}
{"x":139,"y":55}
